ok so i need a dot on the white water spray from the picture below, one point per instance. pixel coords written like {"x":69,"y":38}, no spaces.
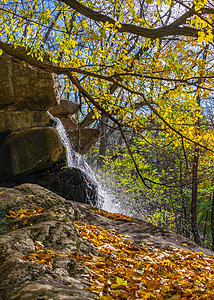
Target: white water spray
{"x":74,"y":159}
{"x":109,"y":204}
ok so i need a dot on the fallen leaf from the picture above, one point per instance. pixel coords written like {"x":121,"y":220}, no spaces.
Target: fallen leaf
{"x":175,"y":297}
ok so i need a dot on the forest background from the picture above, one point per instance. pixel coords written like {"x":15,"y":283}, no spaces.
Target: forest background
{"x":142,"y":72}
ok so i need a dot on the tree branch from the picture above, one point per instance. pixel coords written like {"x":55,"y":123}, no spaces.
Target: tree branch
{"x":21,"y":54}
{"x":128,"y":28}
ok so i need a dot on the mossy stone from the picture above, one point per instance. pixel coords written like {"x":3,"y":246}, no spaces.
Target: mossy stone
{"x":24,"y":152}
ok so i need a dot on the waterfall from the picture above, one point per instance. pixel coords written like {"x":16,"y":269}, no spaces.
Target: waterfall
{"x":109,"y":203}
{"x":74,"y":159}
{"x":62,"y":132}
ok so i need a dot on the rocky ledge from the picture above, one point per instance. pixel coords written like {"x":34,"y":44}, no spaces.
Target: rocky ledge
{"x":32,"y":217}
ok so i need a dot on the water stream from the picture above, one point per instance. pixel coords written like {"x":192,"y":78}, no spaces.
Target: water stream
{"x":74,"y":159}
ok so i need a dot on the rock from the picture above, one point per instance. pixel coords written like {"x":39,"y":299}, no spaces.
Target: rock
{"x":19,"y":120}
{"x":73,"y":184}
{"x":139,"y":231}
{"x":54,"y":230}
{"x":27,"y":151}
{"x":65,"y":108}
{"x":68,"y":122}
{"x":3,"y":136}
{"x":84,"y":139}
{"x":6,"y":88}
{"x":26,"y":87}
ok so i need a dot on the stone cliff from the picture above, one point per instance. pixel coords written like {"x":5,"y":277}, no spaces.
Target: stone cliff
{"x":31,"y":149}
{"x":28,"y":141}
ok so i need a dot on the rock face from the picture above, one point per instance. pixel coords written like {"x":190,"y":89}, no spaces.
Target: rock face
{"x":84,"y":139}
{"x":19,"y":120}
{"x":54,"y":229}
{"x":33,"y":149}
{"x":63,"y":111}
{"x":64,"y":108}
{"x":69,"y":123}
{"x":72,"y":184}
{"x":26,"y":87}
{"x":28,"y":142}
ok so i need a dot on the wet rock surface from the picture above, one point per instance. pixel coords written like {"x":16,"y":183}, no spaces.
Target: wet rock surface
{"x":73,"y":184}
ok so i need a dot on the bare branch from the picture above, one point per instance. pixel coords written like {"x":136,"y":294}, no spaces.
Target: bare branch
{"x":129,"y":28}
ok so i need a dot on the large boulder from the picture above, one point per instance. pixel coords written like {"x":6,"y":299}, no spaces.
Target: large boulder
{"x":52,"y":230}
{"x":73,"y":184}
{"x":26,"y":87}
{"x":83,"y":140}
{"x":68,"y":122}
{"x":31,"y":150}
{"x":65,"y":108}
{"x":40,"y":251}
{"x":19,"y":120}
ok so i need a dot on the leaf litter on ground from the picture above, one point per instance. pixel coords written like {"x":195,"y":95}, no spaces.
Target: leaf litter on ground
{"x":23,"y":213}
{"x":129,"y":272}
{"x":114,"y":216}
{"x":125,"y":271}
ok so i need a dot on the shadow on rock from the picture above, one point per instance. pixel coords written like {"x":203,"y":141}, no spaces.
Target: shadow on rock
{"x":72,"y":184}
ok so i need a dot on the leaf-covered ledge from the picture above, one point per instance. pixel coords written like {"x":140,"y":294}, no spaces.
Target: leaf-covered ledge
{"x":53,"y":228}
{"x":48,"y":248}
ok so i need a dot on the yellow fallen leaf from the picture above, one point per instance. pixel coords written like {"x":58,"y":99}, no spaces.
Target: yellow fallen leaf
{"x":24,"y":222}
{"x":51,"y":251}
{"x":175,"y":297}
{"x":117,"y":286}
{"x":107,"y":297}
{"x":42,"y":261}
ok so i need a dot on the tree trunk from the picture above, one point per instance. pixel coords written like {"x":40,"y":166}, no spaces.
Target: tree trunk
{"x":103,"y":143}
{"x":205,"y":227}
{"x":212,"y":222}
{"x":185,"y":221}
{"x":194,"y":223}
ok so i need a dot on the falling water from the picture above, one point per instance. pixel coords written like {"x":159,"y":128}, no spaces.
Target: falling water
{"x":62,"y":132}
{"x":74,"y":159}
{"x":109,"y":203}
